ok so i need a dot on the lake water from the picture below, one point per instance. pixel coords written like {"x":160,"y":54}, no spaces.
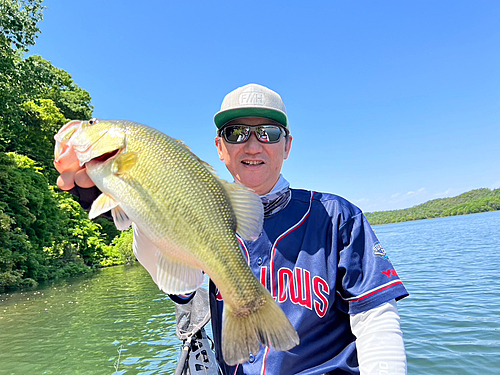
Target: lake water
{"x":451,"y":321}
{"x":451,"y":267}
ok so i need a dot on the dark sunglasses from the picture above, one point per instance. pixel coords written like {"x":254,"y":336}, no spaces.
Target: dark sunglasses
{"x":264,"y":133}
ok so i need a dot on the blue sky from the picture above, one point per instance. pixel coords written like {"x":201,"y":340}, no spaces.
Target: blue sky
{"x":391,"y":103}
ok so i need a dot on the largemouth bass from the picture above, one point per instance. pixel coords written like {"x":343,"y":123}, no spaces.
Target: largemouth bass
{"x":184,"y":219}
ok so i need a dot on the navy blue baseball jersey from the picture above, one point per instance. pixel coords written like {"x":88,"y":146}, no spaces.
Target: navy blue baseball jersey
{"x":321,"y":261}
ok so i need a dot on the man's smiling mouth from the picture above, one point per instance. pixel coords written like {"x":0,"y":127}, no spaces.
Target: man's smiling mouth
{"x":251,"y":162}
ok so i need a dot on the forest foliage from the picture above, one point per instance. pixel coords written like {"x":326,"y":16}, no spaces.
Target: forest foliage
{"x":471,"y":202}
{"x":44,"y":233}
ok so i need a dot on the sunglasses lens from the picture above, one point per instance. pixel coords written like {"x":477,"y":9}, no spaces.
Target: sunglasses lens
{"x":236,"y":133}
{"x":269,"y":133}
{"x":240,"y":133}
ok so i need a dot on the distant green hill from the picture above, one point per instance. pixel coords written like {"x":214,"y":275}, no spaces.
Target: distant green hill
{"x":474,"y":201}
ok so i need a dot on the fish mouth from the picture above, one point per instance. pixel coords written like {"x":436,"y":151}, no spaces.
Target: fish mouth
{"x":87,"y":151}
{"x":104,"y":157}
{"x":63,"y":138}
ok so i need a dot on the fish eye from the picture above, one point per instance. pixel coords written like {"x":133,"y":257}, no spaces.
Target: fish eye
{"x":93,"y":121}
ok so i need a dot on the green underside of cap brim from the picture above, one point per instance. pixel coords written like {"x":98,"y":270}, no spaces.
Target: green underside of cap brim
{"x":222,"y":117}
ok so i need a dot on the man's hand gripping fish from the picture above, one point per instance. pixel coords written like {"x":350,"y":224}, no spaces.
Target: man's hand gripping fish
{"x":184,"y":219}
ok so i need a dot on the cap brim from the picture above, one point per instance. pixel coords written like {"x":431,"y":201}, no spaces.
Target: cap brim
{"x":223,"y":117}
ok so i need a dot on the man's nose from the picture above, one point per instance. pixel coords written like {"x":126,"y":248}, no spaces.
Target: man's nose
{"x":252,"y":145}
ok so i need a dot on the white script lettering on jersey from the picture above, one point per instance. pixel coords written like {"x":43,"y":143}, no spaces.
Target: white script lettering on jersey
{"x":299,"y":287}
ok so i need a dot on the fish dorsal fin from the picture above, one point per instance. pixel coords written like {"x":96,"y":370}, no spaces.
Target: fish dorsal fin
{"x":204,"y":163}
{"x":121,"y":219}
{"x":171,"y":276}
{"x":247,"y":208}
{"x":102,"y":204}
{"x":184,"y":146}
{"x":209,"y":167}
{"x":181,"y":142}
{"x":124,"y":163}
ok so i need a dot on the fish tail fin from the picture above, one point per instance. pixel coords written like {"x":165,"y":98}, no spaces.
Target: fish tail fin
{"x":242,"y":333}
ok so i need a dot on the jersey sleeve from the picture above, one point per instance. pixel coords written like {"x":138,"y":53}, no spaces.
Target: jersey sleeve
{"x":366,"y":277}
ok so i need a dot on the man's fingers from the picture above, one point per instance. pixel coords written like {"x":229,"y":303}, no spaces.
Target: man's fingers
{"x":70,"y":177}
{"x":66,"y":181}
{"x":63,"y":166}
{"x":82,"y":179}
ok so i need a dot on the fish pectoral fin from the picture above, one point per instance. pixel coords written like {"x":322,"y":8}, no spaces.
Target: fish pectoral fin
{"x":121,"y":219}
{"x":177,"y":278}
{"x":102,"y":204}
{"x":124,"y":163}
{"x":247,"y":208}
{"x":171,"y":277}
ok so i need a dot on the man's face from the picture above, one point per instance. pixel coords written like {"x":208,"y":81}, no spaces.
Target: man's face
{"x":254,"y":164}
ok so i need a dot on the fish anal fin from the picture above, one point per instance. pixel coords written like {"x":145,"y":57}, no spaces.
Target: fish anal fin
{"x":247,"y":208}
{"x":177,"y":278}
{"x":102,"y":204}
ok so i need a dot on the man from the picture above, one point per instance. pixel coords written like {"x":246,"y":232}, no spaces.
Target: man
{"x":317,"y":255}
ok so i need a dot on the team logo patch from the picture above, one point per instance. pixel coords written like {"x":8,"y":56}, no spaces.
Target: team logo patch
{"x":379,"y":250}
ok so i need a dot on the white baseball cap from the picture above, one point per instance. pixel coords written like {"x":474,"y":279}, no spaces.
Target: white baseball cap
{"x":251,"y":100}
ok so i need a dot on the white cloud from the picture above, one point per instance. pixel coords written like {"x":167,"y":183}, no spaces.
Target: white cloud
{"x":419,"y":191}
{"x":399,"y":200}
{"x":444,"y":194}
{"x":361,"y":201}
{"x":496,"y":185}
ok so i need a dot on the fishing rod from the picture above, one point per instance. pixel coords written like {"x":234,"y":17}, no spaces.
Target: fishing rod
{"x":197,"y":356}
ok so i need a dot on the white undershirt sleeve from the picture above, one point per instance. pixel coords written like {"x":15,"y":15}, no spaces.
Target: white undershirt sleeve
{"x":379,"y":341}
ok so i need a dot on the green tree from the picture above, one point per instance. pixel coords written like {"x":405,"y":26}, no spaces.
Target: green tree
{"x":18,"y":31}
{"x":81,"y":239}
{"x":120,"y":251}
{"x":18,"y":22}
{"x":28,"y":221}
{"x":36,"y":98}
{"x":36,"y":107}
{"x":474,"y":201}
{"x":44,"y":234}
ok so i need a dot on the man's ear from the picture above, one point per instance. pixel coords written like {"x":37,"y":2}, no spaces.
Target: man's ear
{"x":218,"y":144}
{"x":288,"y":146}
